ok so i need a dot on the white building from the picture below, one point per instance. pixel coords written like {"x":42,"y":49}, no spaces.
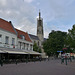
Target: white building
{"x":13,"y":38}
{"x":8,"y":36}
{"x":14,"y":42}
{"x":24,"y":42}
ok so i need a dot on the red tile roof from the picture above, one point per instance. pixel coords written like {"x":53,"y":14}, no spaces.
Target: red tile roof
{"x":27,"y":38}
{"x":6,"y":26}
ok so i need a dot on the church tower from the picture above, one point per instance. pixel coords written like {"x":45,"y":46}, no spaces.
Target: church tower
{"x":40,"y":32}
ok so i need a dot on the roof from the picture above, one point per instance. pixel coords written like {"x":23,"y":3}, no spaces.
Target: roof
{"x":34,"y":37}
{"x":5,"y":25}
{"x":20,"y":33}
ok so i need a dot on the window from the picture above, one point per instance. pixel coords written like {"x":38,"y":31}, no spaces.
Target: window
{"x":27,"y":46}
{"x":0,"y":38}
{"x":13,"y":41}
{"x":22,"y":37}
{"x":19,"y":44}
{"x":31,"y":47}
{"x":24,"y":45}
{"x":6,"y":40}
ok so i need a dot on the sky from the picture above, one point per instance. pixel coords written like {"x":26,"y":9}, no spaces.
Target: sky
{"x":56,"y":14}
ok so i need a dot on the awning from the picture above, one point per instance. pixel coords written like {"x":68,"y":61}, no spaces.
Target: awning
{"x":12,"y":51}
{"x":33,"y":53}
{"x":2,"y":51}
{"x":16,"y":52}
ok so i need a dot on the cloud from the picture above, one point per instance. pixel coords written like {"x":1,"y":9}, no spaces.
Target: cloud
{"x":3,"y":2}
{"x":59,"y":9}
{"x":38,"y":3}
{"x":20,"y":13}
{"x":27,"y":26}
{"x":70,"y":2}
{"x":29,"y":1}
{"x":57,"y":14}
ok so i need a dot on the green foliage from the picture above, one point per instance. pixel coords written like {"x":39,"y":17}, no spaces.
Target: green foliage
{"x":36,"y":48}
{"x":71,"y":38}
{"x":55,"y":42}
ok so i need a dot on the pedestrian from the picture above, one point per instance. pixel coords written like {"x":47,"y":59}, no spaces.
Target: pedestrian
{"x":66,"y":60}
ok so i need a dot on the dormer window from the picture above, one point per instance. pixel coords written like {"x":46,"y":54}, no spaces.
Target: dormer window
{"x":22,"y":37}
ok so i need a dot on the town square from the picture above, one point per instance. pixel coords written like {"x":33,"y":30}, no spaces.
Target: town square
{"x":51,"y":67}
{"x":37,"y":37}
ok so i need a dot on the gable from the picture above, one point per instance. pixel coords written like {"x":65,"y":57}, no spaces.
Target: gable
{"x":24,"y":34}
{"x":5,"y":25}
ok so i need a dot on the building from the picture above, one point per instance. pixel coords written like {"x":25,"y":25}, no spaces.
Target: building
{"x":40,"y":32}
{"x":39,"y":38}
{"x":35,"y":39}
{"x":19,"y":44}
{"x":8,"y":35}
{"x":24,"y":42}
{"x":14,"y":43}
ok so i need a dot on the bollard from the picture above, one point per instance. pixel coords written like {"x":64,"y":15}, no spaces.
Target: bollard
{"x":16,"y":62}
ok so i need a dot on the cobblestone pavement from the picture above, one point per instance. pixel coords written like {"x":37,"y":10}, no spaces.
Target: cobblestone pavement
{"x":52,"y":67}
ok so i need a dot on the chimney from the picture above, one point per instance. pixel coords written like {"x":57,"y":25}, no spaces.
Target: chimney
{"x":10,"y":22}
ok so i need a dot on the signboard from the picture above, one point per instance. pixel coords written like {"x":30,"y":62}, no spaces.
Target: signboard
{"x":59,"y":51}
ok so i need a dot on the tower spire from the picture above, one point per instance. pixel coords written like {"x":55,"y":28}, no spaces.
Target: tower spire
{"x":40,"y":27}
{"x":39,"y":14}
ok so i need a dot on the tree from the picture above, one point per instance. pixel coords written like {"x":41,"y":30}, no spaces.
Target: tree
{"x":36,"y":48}
{"x":55,"y":42}
{"x":71,"y":39}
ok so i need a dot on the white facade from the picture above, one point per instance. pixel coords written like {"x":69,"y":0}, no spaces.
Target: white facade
{"x":8,"y":39}
{"x":26,"y":45}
